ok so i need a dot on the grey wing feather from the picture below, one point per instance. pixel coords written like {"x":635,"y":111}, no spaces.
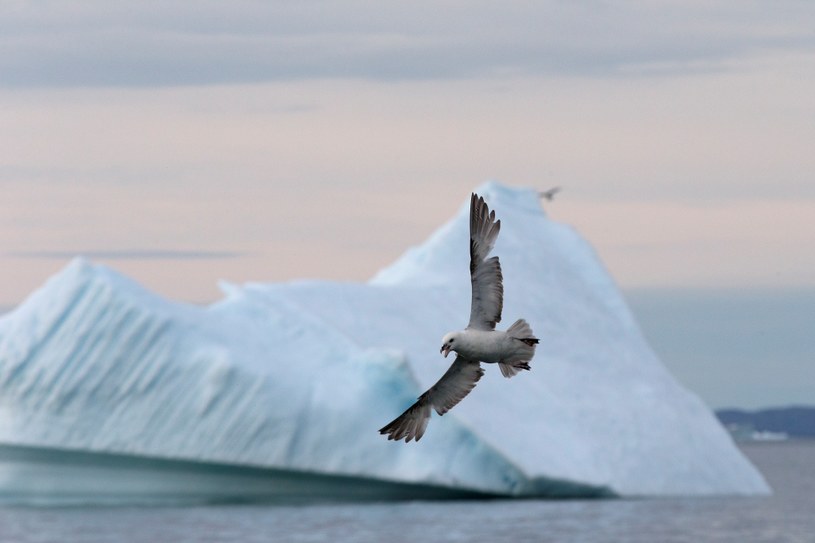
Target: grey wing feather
{"x":485,"y":273}
{"x":453,"y":386}
{"x":411,"y":424}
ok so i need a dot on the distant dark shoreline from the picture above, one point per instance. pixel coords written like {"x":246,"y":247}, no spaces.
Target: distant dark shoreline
{"x":770,"y":423}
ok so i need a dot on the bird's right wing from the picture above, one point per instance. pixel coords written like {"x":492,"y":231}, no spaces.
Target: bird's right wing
{"x":485,"y":273}
{"x":453,"y":386}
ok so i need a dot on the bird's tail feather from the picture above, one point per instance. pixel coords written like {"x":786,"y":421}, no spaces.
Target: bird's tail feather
{"x":511,"y":369}
{"x":520,"y":329}
{"x":525,"y":350}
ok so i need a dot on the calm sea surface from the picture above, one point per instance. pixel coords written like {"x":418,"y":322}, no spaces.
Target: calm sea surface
{"x":787,"y":516}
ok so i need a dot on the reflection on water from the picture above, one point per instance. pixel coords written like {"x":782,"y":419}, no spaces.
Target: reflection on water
{"x":784,"y":517}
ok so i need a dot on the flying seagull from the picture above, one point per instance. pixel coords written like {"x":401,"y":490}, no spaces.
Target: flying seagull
{"x":480,"y":341}
{"x":549,"y":194}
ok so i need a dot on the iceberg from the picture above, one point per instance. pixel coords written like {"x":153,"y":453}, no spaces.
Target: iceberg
{"x":276,"y":391}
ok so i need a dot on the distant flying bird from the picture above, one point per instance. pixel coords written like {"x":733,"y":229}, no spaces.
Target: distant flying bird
{"x":549,"y":194}
{"x":480,"y":341}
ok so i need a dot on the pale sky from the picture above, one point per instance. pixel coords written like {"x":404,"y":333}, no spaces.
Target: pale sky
{"x":183,"y":143}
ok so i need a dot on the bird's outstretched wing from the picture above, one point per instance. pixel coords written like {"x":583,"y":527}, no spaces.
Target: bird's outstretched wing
{"x":485,"y":273}
{"x":456,"y":383}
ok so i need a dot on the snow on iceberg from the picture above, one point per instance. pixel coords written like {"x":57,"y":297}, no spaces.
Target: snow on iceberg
{"x":296,"y":378}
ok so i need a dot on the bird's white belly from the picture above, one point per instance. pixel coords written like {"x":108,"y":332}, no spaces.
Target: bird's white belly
{"x":492,"y":346}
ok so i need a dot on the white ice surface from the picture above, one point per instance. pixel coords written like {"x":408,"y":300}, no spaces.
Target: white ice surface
{"x":301,"y":375}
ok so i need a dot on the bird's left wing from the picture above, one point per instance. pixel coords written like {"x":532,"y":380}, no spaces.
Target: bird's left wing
{"x":453,"y":386}
{"x":485,"y":273}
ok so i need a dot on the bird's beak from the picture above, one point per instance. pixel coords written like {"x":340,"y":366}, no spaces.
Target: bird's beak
{"x":445,"y":350}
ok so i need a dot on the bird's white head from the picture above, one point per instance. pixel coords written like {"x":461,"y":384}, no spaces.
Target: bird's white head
{"x":448,"y":343}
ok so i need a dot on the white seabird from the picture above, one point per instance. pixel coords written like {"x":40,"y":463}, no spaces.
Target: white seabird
{"x":480,"y":341}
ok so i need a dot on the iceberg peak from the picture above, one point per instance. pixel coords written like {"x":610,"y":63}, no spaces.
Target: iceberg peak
{"x":510,"y":199}
{"x":437,"y":260}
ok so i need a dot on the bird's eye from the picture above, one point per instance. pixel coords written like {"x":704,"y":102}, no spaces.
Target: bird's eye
{"x":452,"y":340}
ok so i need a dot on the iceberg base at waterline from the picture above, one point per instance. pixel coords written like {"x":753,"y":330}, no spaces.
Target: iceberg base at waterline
{"x":58,"y":477}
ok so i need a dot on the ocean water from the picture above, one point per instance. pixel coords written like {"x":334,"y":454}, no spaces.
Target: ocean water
{"x":786,"y":516}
